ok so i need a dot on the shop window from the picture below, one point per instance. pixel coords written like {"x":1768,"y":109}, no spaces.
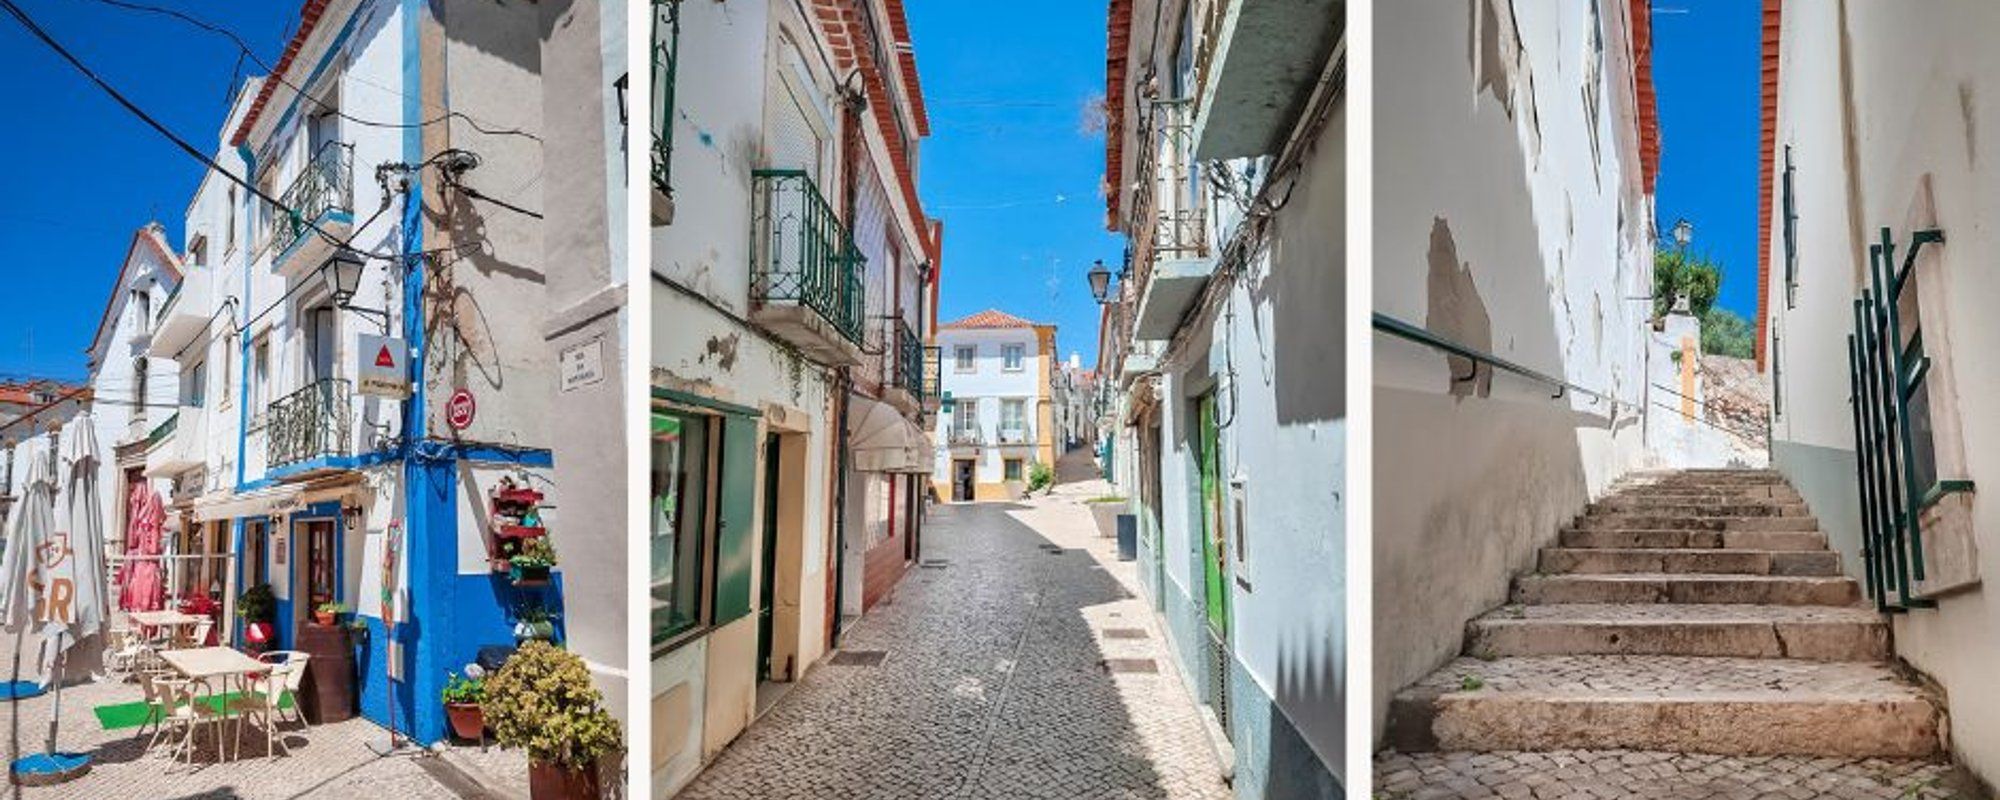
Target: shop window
{"x":682,"y":502}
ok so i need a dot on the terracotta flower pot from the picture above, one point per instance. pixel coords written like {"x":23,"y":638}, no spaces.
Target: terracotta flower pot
{"x":322,"y":618}
{"x":468,"y":721}
{"x":554,"y":782}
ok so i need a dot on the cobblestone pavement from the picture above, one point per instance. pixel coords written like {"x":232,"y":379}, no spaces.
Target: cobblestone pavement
{"x":993,"y":684}
{"x":1603,"y":774}
{"x":324,"y":761}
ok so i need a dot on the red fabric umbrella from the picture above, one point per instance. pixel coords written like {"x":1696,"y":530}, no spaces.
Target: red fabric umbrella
{"x":142,"y":589}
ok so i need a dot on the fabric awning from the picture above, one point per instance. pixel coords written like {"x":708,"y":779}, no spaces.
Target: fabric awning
{"x":881,"y":439}
{"x":260,"y":503}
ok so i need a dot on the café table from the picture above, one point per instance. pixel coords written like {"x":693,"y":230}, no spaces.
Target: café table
{"x":201,"y":664}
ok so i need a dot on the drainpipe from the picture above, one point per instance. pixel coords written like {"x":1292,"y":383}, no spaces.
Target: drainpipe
{"x":853,"y":101}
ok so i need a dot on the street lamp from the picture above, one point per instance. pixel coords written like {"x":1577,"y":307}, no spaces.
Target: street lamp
{"x":1100,"y":281}
{"x":342,"y":273}
{"x":1683,"y":233}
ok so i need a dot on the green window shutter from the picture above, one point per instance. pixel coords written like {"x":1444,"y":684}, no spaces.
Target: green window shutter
{"x":736,"y":536}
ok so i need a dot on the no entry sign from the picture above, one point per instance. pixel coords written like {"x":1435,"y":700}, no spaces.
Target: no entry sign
{"x":459,"y":412}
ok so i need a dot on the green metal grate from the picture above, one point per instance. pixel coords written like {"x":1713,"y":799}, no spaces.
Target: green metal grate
{"x":666,"y":52}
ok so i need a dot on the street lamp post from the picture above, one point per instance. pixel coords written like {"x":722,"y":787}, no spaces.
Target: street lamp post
{"x":1100,"y":282}
{"x":342,"y":273}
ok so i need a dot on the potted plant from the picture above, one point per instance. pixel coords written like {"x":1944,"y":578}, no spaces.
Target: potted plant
{"x":326,"y":612}
{"x":531,"y":566}
{"x":533,"y":621}
{"x":255,"y":607}
{"x":542,"y":701}
{"x":462,"y":696}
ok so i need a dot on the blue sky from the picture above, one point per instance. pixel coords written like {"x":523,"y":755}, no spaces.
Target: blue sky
{"x":1705,"y":66}
{"x":1007,"y":85}
{"x":82,"y":174}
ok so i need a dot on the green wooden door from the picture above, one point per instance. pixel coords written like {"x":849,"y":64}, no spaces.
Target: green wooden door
{"x":736,"y":533}
{"x":1215,"y":573}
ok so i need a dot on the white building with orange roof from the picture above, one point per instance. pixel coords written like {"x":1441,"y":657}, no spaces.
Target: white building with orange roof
{"x":997,"y":422}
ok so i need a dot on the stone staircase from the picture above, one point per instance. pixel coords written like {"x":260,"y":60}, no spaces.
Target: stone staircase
{"x":1688,"y":611}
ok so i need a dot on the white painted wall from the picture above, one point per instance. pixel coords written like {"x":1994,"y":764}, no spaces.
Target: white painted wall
{"x":1916,"y":111}
{"x":1515,"y":222}
{"x":124,"y":408}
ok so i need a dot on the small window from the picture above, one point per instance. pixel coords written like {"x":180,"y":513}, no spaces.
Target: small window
{"x":1012,"y":467}
{"x":1791,"y":223}
{"x":962,"y":356}
{"x":194,"y":385}
{"x":683,"y":502}
{"x":228,"y":357}
{"x":197,"y":252}
{"x":142,"y":310}
{"x":260,"y":373}
{"x":229,"y":237}
{"x":1011,"y":357}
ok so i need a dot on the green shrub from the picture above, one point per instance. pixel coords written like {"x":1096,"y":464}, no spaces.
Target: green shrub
{"x":1040,"y":476}
{"x":256,"y":603}
{"x":542,"y":701}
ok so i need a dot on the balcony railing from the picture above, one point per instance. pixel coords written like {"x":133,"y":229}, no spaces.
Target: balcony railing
{"x":933,"y":373}
{"x":666,"y":51}
{"x":909,"y":359}
{"x":326,"y":185}
{"x":164,"y":429}
{"x":965,"y":436}
{"x":1015,"y":435}
{"x":801,"y":254}
{"x":1179,"y":227}
{"x":312,"y":422}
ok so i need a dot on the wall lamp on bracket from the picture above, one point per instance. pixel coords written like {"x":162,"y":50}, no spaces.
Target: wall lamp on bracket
{"x":342,"y":274}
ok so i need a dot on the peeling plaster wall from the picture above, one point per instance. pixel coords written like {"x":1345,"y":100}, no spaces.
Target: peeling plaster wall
{"x":1510,"y":216}
{"x":1878,"y":101}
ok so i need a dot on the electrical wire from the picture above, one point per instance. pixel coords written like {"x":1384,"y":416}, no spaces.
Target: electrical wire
{"x":245,"y":50}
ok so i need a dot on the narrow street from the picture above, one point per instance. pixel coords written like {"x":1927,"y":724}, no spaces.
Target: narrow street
{"x":993,"y":678}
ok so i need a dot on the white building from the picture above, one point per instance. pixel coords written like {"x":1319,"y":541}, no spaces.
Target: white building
{"x":1225,"y":171}
{"x":794,"y":288}
{"x":1878,"y":184}
{"x":1073,"y":393}
{"x":997,"y":370}
{"x":1476,"y":468}
{"x":134,"y":394}
{"x":358,"y":369}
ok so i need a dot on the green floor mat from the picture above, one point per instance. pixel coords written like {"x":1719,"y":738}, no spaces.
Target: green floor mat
{"x":132,"y":715}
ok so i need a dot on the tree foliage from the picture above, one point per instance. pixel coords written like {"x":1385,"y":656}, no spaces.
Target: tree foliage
{"x":1727,"y":333}
{"x":1675,"y":273}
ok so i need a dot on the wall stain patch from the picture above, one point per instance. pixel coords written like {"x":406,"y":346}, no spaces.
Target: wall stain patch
{"x":1457,"y":312}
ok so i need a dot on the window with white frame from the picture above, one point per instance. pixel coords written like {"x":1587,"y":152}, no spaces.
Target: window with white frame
{"x":965,"y":419}
{"x":962,"y":357}
{"x":1013,"y":420}
{"x":1012,"y":356}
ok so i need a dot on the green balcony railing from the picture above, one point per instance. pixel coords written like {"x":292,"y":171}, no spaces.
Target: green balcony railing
{"x":310,"y":423}
{"x":666,"y":52}
{"x":164,"y":429}
{"x":326,"y":185}
{"x":801,"y":254}
{"x":909,"y":360}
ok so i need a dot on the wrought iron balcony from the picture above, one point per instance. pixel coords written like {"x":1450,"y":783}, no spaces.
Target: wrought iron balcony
{"x":933,"y":377}
{"x":310,"y":423}
{"x":805,"y":277}
{"x":666,"y":50}
{"x":909,"y":354}
{"x":1179,"y":227}
{"x":323,"y":189}
{"x":1016,"y":435}
{"x":965,"y":437}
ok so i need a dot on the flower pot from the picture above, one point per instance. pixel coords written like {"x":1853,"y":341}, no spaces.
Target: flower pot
{"x":544,"y":630}
{"x":527,"y":575}
{"x":323,"y":618}
{"x":467,"y":720}
{"x":554,"y":782}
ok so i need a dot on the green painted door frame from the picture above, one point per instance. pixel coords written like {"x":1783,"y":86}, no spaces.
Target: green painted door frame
{"x":1215,"y":567}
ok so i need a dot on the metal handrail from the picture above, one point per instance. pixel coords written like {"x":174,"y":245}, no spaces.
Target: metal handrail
{"x":1405,"y":330}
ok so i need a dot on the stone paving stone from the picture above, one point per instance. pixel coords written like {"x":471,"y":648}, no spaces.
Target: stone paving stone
{"x":324,"y":761}
{"x":994,"y":684}
{"x":1632,"y":774}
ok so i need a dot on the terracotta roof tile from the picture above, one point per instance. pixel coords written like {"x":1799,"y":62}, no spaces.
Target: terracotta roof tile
{"x":1768,"y":145}
{"x":309,"y":16}
{"x":990,"y":318}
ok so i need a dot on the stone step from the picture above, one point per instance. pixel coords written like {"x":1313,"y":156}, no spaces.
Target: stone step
{"x":1786,"y":590}
{"x":1727,"y":523}
{"x":1701,"y":508}
{"x":1682,"y":539}
{"x":1751,"y":493}
{"x":1814,"y":633}
{"x":1729,"y":706}
{"x":1564,"y":560}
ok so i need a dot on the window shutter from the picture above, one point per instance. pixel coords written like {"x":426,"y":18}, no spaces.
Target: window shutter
{"x":736,"y":534}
